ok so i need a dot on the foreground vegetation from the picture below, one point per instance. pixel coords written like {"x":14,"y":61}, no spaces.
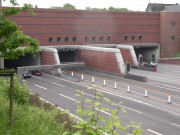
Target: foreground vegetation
{"x":34,"y":116}
{"x":30,"y":115}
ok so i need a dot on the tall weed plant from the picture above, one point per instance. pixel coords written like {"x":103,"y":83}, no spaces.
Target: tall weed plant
{"x":91,"y":121}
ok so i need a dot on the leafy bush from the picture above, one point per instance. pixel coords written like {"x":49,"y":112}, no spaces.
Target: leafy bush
{"x":20,"y":92}
{"x":27,"y":119}
{"x":89,"y":111}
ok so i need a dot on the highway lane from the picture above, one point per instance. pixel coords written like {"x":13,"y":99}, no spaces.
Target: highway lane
{"x":60,"y":91}
{"x":157,"y":91}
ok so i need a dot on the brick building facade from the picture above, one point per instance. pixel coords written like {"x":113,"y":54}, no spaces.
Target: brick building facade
{"x":53,"y":27}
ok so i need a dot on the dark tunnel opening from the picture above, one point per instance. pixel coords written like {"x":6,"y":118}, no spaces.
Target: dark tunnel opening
{"x":67,"y":56}
{"x":27,"y":60}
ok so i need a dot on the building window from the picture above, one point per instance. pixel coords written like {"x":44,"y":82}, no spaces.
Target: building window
{"x":125,"y":38}
{"x":86,"y":39}
{"x":108,"y":38}
{"x":74,"y":39}
{"x":50,"y":39}
{"x":173,"y":37}
{"x":94,"y":38}
{"x":101,"y":38}
{"x":173,"y":23}
{"x":140,"y":38}
{"x":66,"y":39}
{"x":58,"y":39}
{"x":133,"y":38}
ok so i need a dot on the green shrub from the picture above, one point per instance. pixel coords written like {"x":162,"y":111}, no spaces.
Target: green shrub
{"x":27,"y":119}
{"x":20,"y":92}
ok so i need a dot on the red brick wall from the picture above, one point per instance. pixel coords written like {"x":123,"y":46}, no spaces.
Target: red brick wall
{"x":99,"y":60}
{"x":127,"y":56}
{"x":47,"y":58}
{"x":78,"y":23}
{"x":168,"y":46}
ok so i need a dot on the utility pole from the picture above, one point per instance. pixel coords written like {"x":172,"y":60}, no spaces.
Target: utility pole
{"x":1,"y":59}
{"x":0,"y":7}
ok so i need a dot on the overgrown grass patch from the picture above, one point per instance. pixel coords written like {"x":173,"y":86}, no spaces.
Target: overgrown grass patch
{"x":30,"y":117}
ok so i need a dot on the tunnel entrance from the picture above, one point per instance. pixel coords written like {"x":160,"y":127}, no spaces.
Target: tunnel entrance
{"x":149,"y":52}
{"x":67,"y":56}
{"x":27,"y":60}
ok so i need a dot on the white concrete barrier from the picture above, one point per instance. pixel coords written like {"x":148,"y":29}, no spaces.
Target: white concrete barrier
{"x":169,"y":100}
{"x":104,"y":82}
{"x":72,"y":73}
{"x":115,"y":85}
{"x":146,"y":93}
{"x":128,"y":88}
{"x":92,"y":79}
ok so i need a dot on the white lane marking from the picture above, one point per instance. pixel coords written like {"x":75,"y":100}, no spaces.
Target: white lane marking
{"x":122,"y":106}
{"x":61,"y":79}
{"x":103,"y":112}
{"x":58,"y":84}
{"x":115,"y":94}
{"x":154,"y":132}
{"x":40,"y":87}
{"x":119,"y":95}
{"x":168,"y":88}
{"x":37,"y":77}
{"x":131,"y":109}
{"x":76,"y":100}
{"x":176,"y":125}
{"x":89,"y":95}
{"x":68,"y":97}
{"x":51,"y":82}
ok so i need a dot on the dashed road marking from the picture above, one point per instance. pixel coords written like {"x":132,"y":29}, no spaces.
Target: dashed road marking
{"x":176,"y":125}
{"x":154,"y":132}
{"x":122,"y":106}
{"x":58,"y":84}
{"x":40,"y":87}
{"x":68,"y":97}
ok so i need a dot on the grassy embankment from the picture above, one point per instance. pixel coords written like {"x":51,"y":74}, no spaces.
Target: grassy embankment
{"x":30,"y":115}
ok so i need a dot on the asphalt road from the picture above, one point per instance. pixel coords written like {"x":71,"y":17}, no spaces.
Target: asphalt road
{"x":156,"y":115}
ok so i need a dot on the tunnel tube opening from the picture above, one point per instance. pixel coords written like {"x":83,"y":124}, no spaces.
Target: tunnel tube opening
{"x":27,"y":60}
{"x":147,"y":53}
{"x":67,"y":55}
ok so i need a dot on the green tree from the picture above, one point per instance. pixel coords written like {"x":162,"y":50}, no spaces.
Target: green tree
{"x":69,"y":6}
{"x":117,"y":9}
{"x":66,"y":6}
{"x":13,"y":42}
{"x":99,"y":9}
